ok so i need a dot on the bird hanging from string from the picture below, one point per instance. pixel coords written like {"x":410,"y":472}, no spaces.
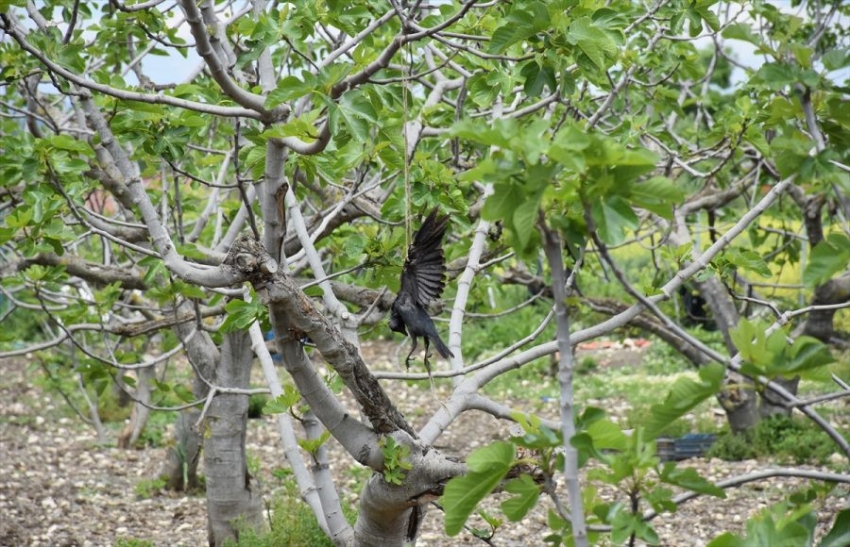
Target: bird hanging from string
{"x":422,"y":282}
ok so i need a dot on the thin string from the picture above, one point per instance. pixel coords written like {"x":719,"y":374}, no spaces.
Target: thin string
{"x":407,"y":155}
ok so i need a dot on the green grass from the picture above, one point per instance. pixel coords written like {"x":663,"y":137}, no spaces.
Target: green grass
{"x":148,"y":488}
{"x":634,"y":388}
{"x":133,"y":542}
{"x":627,"y":391}
{"x":256,"y":403}
{"x":110,"y":409}
{"x":486,"y":336}
{"x":292,"y":521}
{"x":156,"y":428}
{"x":787,"y":439}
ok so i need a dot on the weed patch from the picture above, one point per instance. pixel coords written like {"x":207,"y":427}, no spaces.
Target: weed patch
{"x":786,"y":439}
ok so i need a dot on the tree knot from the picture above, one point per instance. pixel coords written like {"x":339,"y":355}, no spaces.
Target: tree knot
{"x":248,"y":256}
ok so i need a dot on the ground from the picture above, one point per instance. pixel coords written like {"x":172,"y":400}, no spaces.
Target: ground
{"x":57,"y":487}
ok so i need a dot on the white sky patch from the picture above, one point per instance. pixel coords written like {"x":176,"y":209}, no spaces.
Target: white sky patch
{"x":746,"y":53}
{"x":174,"y":68}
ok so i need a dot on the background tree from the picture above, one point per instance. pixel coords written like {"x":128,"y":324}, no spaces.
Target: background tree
{"x":277,"y":182}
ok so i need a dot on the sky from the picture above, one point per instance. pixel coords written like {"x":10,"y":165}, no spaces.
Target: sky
{"x":173,"y":69}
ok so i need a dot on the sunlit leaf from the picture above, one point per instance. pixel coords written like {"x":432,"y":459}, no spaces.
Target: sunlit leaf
{"x":684,"y":395}
{"x":488,"y":466}
{"x":527,"y":492}
{"x":830,"y":256}
{"x":688,"y":478}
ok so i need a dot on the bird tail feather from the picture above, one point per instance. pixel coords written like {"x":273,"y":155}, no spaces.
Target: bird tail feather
{"x":442,"y":348}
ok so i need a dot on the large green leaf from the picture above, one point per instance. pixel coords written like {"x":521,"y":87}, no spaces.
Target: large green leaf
{"x":771,"y":355}
{"x":523,"y":22}
{"x":289,"y":88}
{"x":592,"y":41}
{"x":688,"y":478}
{"x":748,"y":339}
{"x":657,"y":194}
{"x":829,"y":257}
{"x":500,"y":205}
{"x":521,"y":28}
{"x":607,"y":435}
{"x":763,"y":532}
{"x":241,"y":314}
{"x":488,"y":466}
{"x":805,"y":354}
{"x":527,"y":493}
{"x":775,"y":76}
{"x":614,"y":216}
{"x":355,"y":112}
{"x":748,"y":260}
{"x":741,"y":31}
{"x":498,"y":133}
{"x":537,"y":77}
{"x":524,"y":219}
{"x":66,"y":142}
{"x":836,"y":59}
{"x":839,"y":535}
{"x":283,"y":402}
{"x":727,"y":539}
{"x":684,"y":396}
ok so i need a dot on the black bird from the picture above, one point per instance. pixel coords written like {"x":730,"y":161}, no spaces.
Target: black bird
{"x":422,"y":282}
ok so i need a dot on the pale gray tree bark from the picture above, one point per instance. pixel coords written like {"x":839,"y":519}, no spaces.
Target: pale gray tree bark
{"x":180,"y":468}
{"x":552,"y":246}
{"x":234,"y":497}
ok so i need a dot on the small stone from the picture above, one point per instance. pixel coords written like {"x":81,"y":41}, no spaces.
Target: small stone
{"x":837,"y":459}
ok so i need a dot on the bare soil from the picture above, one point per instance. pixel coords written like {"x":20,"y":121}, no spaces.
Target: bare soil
{"x":57,"y":487}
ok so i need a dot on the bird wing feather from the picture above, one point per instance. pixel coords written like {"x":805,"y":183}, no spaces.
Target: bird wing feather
{"x":425,"y":267}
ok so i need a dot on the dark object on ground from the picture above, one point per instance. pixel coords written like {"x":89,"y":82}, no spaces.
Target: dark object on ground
{"x":422,"y":282}
{"x":692,"y":445}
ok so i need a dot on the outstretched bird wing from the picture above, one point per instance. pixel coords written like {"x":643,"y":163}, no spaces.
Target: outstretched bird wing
{"x":422,"y":278}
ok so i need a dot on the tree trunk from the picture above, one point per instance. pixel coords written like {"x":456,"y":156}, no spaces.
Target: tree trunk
{"x":722,"y":308}
{"x":772,"y":404}
{"x":180,"y":469}
{"x":234,"y":500}
{"x":139,"y":417}
{"x":819,"y":323}
{"x":381,"y":523}
{"x":390,"y":515}
{"x":740,"y":402}
{"x":181,"y":460}
{"x":738,"y":398}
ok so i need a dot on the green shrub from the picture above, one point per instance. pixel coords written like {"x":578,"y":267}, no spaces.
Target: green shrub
{"x":154,"y":433}
{"x":255,"y":406}
{"x":787,"y":439}
{"x":110,"y":408}
{"x":148,"y":488}
{"x":731,"y":447}
{"x":487,"y":336}
{"x":133,"y":542}
{"x":292,"y":521}
{"x":587,"y":365}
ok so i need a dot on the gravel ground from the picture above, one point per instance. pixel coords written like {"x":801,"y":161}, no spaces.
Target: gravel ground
{"x":58,"y":488}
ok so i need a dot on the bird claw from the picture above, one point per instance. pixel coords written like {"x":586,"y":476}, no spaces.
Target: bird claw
{"x":427,"y":365}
